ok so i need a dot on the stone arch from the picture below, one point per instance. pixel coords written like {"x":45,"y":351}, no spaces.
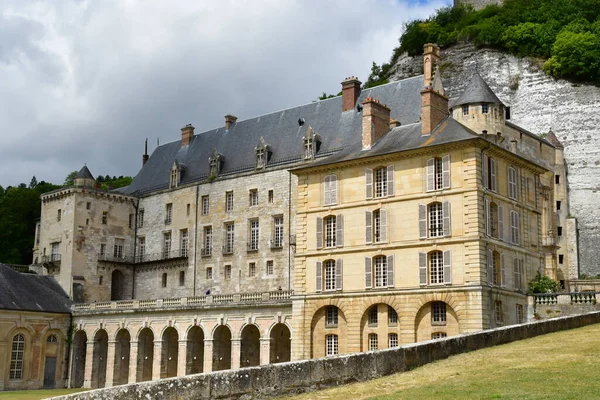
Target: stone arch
{"x":118,"y":285}
{"x":427,"y":321}
{"x":99,"y":361}
{"x":249,"y":346}
{"x":280,"y":343}
{"x":145,"y":354}
{"x":122,"y":353}
{"x":324,"y":327}
{"x":169,"y":352}
{"x":448,"y":298}
{"x":78,"y":359}
{"x":195,"y":350}
{"x":221,"y":348}
{"x":378,"y":323}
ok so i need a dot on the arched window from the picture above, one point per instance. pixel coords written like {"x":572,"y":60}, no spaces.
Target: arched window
{"x":52,"y":339}
{"x":436,"y":267}
{"x":16,"y":357}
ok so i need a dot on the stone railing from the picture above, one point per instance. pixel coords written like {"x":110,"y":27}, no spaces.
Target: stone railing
{"x":547,"y":299}
{"x":185,"y":301}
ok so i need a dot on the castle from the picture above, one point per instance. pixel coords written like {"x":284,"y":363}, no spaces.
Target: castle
{"x":374,"y":219}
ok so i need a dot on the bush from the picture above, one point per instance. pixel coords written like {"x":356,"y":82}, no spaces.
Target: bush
{"x":543,"y":284}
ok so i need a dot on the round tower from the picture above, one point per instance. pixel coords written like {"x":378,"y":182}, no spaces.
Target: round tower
{"x":84,"y":178}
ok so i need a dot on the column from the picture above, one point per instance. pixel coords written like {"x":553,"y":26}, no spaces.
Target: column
{"x":3,"y":362}
{"x":133,"y":362}
{"x":265,"y":351}
{"x":236,"y":349}
{"x":110,"y":363}
{"x":208,"y":355}
{"x":156,"y":362}
{"x":182,"y":358}
{"x":89,"y":362}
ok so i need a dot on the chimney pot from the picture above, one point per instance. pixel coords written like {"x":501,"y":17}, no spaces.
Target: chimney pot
{"x":187,"y":133}
{"x":230,"y":120}
{"x":350,"y":92}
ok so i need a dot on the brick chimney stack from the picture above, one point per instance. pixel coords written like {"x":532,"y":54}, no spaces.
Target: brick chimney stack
{"x":187,"y":133}
{"x":145,"y":156}
{"x":350,"y":92}
{"x":434,"y":103}
{"x":375,"y":122}
{"x":230,"y":120}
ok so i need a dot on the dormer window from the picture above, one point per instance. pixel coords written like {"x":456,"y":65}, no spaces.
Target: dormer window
{"x":312,"y":143}
{"x":214,"y":162}
{"x":485,"y":108}
{"x":465,"y":109}
{"x":262,"y":154}
{"x":175,"y":178}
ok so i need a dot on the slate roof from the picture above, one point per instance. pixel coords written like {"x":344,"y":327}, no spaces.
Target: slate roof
{"x":476,"y":91}
{"x":31,"y":292}
{"x":281,"y":131}
{"x":84,"y":173}
{"x":554,"y":140}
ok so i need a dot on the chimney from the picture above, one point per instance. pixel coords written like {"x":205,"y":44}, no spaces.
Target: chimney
{"x":394,"y":123}
{"x":230,"y":120}
{"x":350,"y":93}
{"x":375,"y":122}
{"x":434,"y":103}
{"x":187,"y":133}
{"x":145,"y":156}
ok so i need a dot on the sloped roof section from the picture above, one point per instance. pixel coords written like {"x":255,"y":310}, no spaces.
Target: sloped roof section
{"x":84,"y":173}
{"x":477,"y":91}
{"x":31,"y":292}
{"x":554,"y":140}
{"x":283,"y":132}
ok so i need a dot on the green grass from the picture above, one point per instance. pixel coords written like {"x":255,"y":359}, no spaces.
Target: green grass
{"x":36,"y":394}
{"x":563,"y":365}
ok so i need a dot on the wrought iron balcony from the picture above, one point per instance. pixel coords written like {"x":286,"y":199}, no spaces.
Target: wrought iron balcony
{"x":145,"y":258}
{"x":53,"y":258}
{"x":111,"y":257}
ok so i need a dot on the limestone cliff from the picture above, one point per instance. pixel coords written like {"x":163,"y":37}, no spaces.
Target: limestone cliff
{"x":539,"y":103}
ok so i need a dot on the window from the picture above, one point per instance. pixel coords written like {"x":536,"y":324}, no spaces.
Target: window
{"x":379,"y":182}
{"x":518,"y":273}
{"x":228,"y":272}
{"x":331,"y":345}
{"x":434,"y":220}
{"x":253,"y":197}
{"x":229,"y":201}
{"x":164,"y":280}
{"x":334,"y":231}
{"x":393,"y":340}
{"x":561,"y":258}
{"x":373,"y":316}
{"x":379,"y":271}
{"x":16,"y":357}
{"x":169,"y":214}
{"x":209,"y":273}
{"x":207,"y":241}
{"x":55,"y":252}
{"x":436,"y":268}
{"x":214,"y":164}
{"x":141,"y":218}
{"x":465,"y":109}
{"x":392,"y":316}
{"x":330,"y":231}
{"x":489,"y":173}
{"x":331,"y":319}
{"x":58,"y":215}
{"x":254,"y":235}
{"x":166,"y":244}
{"x":173,"y":181}
{"x":141,"y":248}
{"x":230,"y":230}
{"x":495,"y":220}
{"x":270,"y":196}
{"x":102,"y":249}
{"x":118,"y":248}
{"x":262,"y":154}
{"x":311,"y":142}
{"x":183,"y":242}
{"x":485,"y":108}
{"x":557,"y":179}
{"x":329,"y":273}
{"x":252,"y":269}
{"x":438,"y":173}
{"x":498,"y":311}
{"x":559,"y":230}
{"x":438,"y":313}
{"x":520,"y":314}
{"x":188,"y":209}
{"x":438,"y":335}
{"x":270,"y":267}
{"x":558,"y":206}
{"x":514,"y":227}
{"x":205,"y":205}
{"x":496,"y":268}
{"x":277,"y":241}
{"x":373,"y":345}
{"x":507,"y":113}
{"x":260,"y":158}
{"x":100,"y":279}
{"x":330,"y":190}
{"x":104,"y":217}
{"x":181,"y":278}
{"x":87,"y":222}
{"x":88,"y":205}
{"x":512,"y":183}
{"x":376,"y":226}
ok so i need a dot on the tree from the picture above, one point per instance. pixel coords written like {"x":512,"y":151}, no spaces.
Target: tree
{"x":69,"y":180}
{"x":33,"y":183}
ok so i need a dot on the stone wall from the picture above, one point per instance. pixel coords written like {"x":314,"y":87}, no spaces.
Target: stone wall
{"x":477,"y":4}
{"x":303,"y":376}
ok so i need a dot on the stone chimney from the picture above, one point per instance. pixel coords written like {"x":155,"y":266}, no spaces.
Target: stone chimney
{"x":187,"y":133}
{"x":434,"y":103}
{"x":145,"y":156}
{"x":431,"y":59}
{"x":350,"y":93}
{"x":230,"y":120}
{"x":375,"y":122}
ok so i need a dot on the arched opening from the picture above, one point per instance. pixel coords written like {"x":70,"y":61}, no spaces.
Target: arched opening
{"x":379,"y":328}
{"x":170,"y":348}
{"x":122,"y":351}
{"x":195,"y":351}
{"x":78,"y":366}
{"x":434,"y":320}
{"x":99,"y":360}
{"x":250,"y":347}
{"x":221,"y":349}
{"x":280,"y":344}
{"x":328,"y":332}
{"x":51,"y":352}
{"x":117,"y":286}
{"x":145,"y":355}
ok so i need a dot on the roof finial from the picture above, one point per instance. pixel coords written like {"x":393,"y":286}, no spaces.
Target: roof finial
{"x":146,"y":147}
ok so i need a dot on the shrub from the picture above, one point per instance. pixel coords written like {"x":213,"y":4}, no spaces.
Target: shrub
{"x":543,"y":284}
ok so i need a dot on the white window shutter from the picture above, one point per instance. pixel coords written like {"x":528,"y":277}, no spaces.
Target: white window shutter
{"x":431,"y":174}
{"x":368,"y":227}
{"x":319,"y":274}
{"x":390,"y":180}
{"x":446,"y":218}
{"x":448,"y":266}
{"x":383,"y":225}
{"x":502,"y":271}
{"x":485,"y":172}
{"x":422,"y":269}
{"x":368,"y":273}
{"x":369,"y":183}
{"x":326,"y":190}
{"x":333,"y":189}
{"x":500,"y":222}
{"x":422,"y":221}
{"x":339,"y":274}
{"x":390,"y":271}
{"x":446,"y":171}
{"x":490,"y":261}
{"x":319,"y":233}
{"x":493,"y":175}
{"x":339,"y":234}
{"x":488,"y":218}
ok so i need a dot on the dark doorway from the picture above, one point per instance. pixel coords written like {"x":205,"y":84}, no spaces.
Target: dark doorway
{"x":280,"y":344}
{"x":78,"y":368}
{"x":50,"y":373}
{"x":99,"y":360}
{"x":122,"y":349}
{"x":170,"y":348}
{"x":250,"y":347}
{"x":145,"y":355}
{"x":117,"y":286}
{"x":195,"y":351}
{"x":222,"y":349}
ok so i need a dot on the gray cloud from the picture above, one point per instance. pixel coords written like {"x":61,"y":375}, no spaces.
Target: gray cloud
{"x":87,"y":81}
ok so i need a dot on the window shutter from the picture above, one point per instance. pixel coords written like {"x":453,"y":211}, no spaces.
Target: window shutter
{"x":485,"y":172}
{"x":369,"y":183}
{"x":516,"y":280}
{"x":319,"y":274}
{"x":522,"y":270}
{"x":368,"y":273}
{"x":390,"y":271}
{"x":383,"y":225}
{"x":490,"y":257}
{"x":502,"y":271}
{"x":446,"y":171}
{"x":390,"y":180}
{"x":319,"y":233}
{"x":431,"y":174}
{"x":517,"y":241}
{"x":422,"y":221}
{"x":446,"y":218}
{"x":326,"y":190}
{"x":338,"y":274}
{"x":368,"y":227}
{"x":493,"y":175}
{"x":333,"y":190}
{"x":488,"y":218}
{"x":511,"y":180}
{"x":500,"y":222}
{"x":339,"y":234}
{"x":448,"y":266}
{"x":423,"y":269}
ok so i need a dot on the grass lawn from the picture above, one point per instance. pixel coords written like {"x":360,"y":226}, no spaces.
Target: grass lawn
{"x":562,"y":365}
{"x":36,"y":394}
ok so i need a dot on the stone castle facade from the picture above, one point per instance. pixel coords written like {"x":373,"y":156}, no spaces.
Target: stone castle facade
{"x":382,"y":217}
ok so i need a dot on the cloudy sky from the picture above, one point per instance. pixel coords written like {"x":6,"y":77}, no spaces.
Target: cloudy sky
{"x":86,"y":81}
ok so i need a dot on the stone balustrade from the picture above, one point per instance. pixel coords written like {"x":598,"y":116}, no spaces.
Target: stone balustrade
{"x":567,"y":298}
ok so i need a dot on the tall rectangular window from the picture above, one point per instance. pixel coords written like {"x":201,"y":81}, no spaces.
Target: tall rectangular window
{"x":183,"y":242}
{"x":166,"y":244}
{"x":188,"y":209}
{"x":229,"y":236}
{"x":436,"y":267}
{"x":381,"y":271}
{"x":88,"y":205}
{"x":438,"y":313}
{"x":141,"y":248}
{"x":229,"y":201}
{"x":331,"y":345}
{"x":118,"y":248}
{"x":58,"y":215}
{"x":277,"y":231}
{"x":252,"y":269}
{"x":436,"y":220}
{"x":207,"y":241}
{"x":181,"y":278}
{"x":270,"y":196}
{"x":465,"y":109}
{"x":130,"y":221}
{"x":141,"y":218}
{"x":381,"y":184}
{"x":228,"y":272}
{"x":485,"y":108}
{"x":16,"y":357}
{"x":498,"y":311}
{"x":102,"y":249}
{"x":331,"y":318}
{"x":104,"y":217}
{"x":205,"y":205}
{"x":209,"y":273}
{"x":392,"y":340}
{"x":330,"y":231}
{"x":270,"y":267}
{"x":168,"y":213}
{"x":514,"y":227}
{"x":373,"y":342}
{"x":520,"y":314}
{"x":254,"y":235}
{"x":329,"y":274}
{"x":253,"y":197}
{"x":512,"y":183}
{"x":55,"y":253}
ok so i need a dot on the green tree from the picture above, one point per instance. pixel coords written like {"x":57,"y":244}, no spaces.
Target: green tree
{"x":70,"y":178}
{"x":543,"y":284}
